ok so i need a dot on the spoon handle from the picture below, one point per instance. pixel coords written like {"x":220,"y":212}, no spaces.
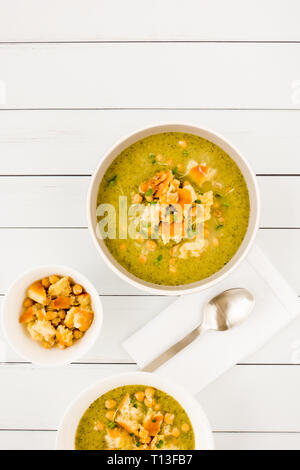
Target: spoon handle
{"x":175,"y":349}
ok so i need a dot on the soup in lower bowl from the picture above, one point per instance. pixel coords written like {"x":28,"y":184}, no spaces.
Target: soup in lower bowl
{"x":135,"y":417}
{"x":189,"y":208}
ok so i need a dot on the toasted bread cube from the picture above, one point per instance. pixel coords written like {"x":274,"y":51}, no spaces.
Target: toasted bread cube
{"x":27,"y":302}
{"x":84,"y":300}
{"x":118,"y":439}
{"x":61,"y":302}
{"x":129,"y":417}
{"x":77,"y":289}
{"x":53,"y":279}
{"x":37,"y":293}
{"x":27,"y":316}
{"x":69,"y":320}
{"x":77,"y":334}
{"x":83,"y":319}
{"x":60,"y":288}
{"x":64,"y":336}
{"x":152,"y":423}
{"x":42,"y":330}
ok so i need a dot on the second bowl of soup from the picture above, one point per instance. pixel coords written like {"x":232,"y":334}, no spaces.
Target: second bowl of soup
{"x":173,"y":208}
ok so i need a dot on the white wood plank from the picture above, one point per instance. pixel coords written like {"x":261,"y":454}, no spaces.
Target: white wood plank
{"x":73,"y":20}
{"x":257,"y":441}
{"x":254,"y":398}
{"x":36,"y":398}
{"x":27,"y":440}
{"x":180,"y":75}
{"x":45,"y":440}
{"x":122,"y":317}
{"x":73,"y":142}
{"x":46,"y":201}
{"x":24,"y":248}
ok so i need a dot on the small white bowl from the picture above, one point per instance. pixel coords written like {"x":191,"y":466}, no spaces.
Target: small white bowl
{"x":67,"y":429}
{"x":17,"y":335}
{"x":253,"y":219}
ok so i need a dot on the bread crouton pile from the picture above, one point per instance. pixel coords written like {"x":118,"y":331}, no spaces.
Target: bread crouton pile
{"x":137,"y":423}
{"x":56,"y":311}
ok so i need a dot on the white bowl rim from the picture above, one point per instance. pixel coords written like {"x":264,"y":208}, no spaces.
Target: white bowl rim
{"x":243,"y":249}
{"x":65,"y":437}
{"x":97,"y":307}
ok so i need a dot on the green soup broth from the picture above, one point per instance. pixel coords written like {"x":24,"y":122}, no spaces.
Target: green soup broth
{"x":88,"y":437}
{"x":226,"y":227}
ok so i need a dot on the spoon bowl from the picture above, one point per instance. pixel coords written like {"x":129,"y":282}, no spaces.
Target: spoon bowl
{"x":224,"y":311}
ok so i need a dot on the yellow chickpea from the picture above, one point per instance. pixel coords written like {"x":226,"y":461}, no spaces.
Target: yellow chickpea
{"x":77,"y":334}
{"x":99,"y":426}
{"x":175,"y":432}
{"x":215,"y":241}
{"x":151,"y":245}
{"x":149,"y":392}
{"x":143,"y":259}
{"x":185,"y":427}
{"x":169,"y":418}
{"x":156,"y":406}
{"x":110,"y":415}
{"x":110,"y":404}
{"x":45,"y":282}
{"x":77,"y":289}
{"x":148,"y":403}
{"x":172,"y":269}
{"x":137,"y":199}
{"x":159,"y":157}
{"x":182,"y":143}
{"x":46,"y":345}
{"x":27,"y":303}
{"x":172,"y":261}
{"x":139,"y":396}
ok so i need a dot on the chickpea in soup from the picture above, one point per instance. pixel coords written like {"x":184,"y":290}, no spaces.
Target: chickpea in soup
{"x":135,"y":417}
{"x":164,"y":174}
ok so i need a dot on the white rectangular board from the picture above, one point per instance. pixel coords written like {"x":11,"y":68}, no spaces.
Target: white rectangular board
{"x":152,"y":75}
{"x":73,"y":142}
{"x":149,"y":20}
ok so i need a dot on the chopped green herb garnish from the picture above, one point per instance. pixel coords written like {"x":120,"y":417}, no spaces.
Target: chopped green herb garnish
{"x":219,"y":226}
{"x":160,"y":444}
{"x":112,"y":181}
{"x":153,"y":420}
{"x":138,"y":443}
{"x":153,"y":202}
{"x":198,"y":201}
{"x":149,"y":192}
{"x":185,"y":153}
{"x":153,"y":161}
{"x":158,"y":259}
{"x":218,"y":195}
{"x":152,"y":155}
{"x":225,"y":204}
{"x":131,"y":434}
{"x":175,"y":171}
{"x":112,"y":425}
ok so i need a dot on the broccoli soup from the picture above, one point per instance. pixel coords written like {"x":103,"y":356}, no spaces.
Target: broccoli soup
{"x":135,"y":417}
{"x":189,"y":204}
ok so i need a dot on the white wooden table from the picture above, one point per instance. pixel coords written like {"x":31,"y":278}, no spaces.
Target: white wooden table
{"x":81,"y":74}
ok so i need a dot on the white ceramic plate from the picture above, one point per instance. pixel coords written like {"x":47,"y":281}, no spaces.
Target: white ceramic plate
{"x":17,"y":335}
{"x":253,"y":220}
{"x":67,"y":428}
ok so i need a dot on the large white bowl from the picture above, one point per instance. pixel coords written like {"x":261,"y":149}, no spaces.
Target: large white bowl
{"x":253,"y":220}
{"x":67,"y":429}
{"x":17,"y":335}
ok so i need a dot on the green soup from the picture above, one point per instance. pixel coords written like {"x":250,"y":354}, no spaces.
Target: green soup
{"x":135,"y":417}
{"x":176,"y":169}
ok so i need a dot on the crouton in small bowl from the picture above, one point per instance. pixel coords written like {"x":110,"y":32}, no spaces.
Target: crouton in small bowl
{"x":52,"y":315}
